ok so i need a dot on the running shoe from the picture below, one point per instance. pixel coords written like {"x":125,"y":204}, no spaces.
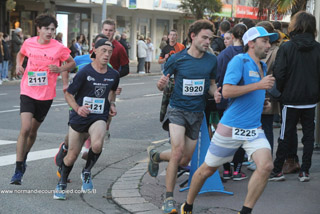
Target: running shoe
{"x":62,"y":152}
{"x":17,"y":178}
{"x":227,"y":175}
{"x":252,"y":166}
{"x":169,"y":206}
{"x":182,"y":211}
{"x":153,"y":166}
{"x":304,"y":177}
{"x":276,"y":176}
{"x":59,"y":193}
{"x":86,"y":181}
{"x":238,"y":176}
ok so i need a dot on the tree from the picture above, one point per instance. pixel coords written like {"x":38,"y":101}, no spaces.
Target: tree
{"x":199,"y":7}
{"x":282,"y":6}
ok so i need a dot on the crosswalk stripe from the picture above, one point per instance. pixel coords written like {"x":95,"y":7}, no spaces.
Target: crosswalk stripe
{"x":32,"y":156}
{"x":6,"y":142}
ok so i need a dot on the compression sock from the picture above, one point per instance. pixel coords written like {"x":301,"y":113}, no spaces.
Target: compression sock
{"x":19,"y":166}
{"x":246,"y":210}
{"x":92,"y":159}
{"x":169,"y":194}
{"x":65,"y":171}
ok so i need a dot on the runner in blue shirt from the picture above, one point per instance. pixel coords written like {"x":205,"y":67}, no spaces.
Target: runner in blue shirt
{"x":245,"y":83}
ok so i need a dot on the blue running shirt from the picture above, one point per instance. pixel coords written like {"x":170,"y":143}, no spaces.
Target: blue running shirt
{"x":192,"y":79}
{"x":244,"y":111}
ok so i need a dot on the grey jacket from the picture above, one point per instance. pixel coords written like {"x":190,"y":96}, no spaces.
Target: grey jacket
{"x":16,"y":43}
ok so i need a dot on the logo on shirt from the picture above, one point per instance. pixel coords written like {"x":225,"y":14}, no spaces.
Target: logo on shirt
{"x":100,"y":90}
{"x":254,"y":74}
{"x":106,"y":79}
{"x":90,"y":78}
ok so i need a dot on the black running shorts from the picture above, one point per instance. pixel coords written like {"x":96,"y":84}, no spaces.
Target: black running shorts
{"x":39,"y":108}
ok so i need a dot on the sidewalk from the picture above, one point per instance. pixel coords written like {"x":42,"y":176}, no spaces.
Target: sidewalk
{"x":287,"y":197}
{"x":155,"y":70}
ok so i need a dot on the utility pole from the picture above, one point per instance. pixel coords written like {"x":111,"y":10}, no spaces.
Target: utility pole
{"x":104,"y":10}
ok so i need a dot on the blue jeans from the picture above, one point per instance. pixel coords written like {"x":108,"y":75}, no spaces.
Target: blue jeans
{"x":4,"y":71}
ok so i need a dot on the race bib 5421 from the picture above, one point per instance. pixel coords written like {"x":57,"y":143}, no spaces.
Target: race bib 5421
{"x":96,"y":104}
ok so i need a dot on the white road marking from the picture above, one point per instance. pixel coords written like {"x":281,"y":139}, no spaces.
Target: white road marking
{"x":152,"y":95}
{"x":129,"y":84}
{"x":16,"y":106}
{"x":32,"y":156}
{"x":53,"y":105}
{"x":6,"y":142}
{"x":160,"y":141}
{"x":3,"y":94}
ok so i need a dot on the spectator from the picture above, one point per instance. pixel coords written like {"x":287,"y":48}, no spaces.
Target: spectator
{"x":59,"y":37}
{"x":84,"y":45}
{"x":124,"y":43}
{"x":163,"y":43}
{"x":74,"y":51}
{"x":149,"y":55}
{"x":16,"y":42}
{"x":298,"y":79}
{"x":5,"y":53}
{"x":228,"y":41}
{"x":248,"y":22}
{"x":142,"y":54}
{"x":224,"y":27}
{"x":78,"y":46}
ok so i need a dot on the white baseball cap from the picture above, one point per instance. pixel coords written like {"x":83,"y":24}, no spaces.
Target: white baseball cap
{"x":257,"y":32}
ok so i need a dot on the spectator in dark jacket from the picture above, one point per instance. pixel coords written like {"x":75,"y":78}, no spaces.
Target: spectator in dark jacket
{"x":124,"y":43}
{"x":5,"y":55}
{"x":298,"y":79}
{"x":16,"y":42}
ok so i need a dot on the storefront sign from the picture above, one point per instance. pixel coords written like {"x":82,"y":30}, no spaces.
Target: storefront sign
{"x":166,"y":4}
{"x":132,"y":4}
{"x":249,"y":12}
{"x":226,"y":11}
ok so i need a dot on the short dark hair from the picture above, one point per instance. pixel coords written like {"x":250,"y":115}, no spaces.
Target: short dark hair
{"x":101,"y":36}
{"x":225,"y":26}
{"x":238,"y":31}
{"x":173,"y":30}
{"x":44,"y":20}
{"x":277,"y":25}
{"x":198,"y":25}
{"x":246,"y":47}
{"x":109,"y":22}
{"x":248,"y":22}
{"x":303,"y":22}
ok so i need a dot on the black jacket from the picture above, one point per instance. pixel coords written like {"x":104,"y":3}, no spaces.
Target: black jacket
{"x":297,"y":70}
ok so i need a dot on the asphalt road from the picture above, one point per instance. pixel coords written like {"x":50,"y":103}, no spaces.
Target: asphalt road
{"x":132,"y":130}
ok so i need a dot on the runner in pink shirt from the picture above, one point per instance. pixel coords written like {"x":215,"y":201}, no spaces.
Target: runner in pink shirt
{"x":38,"y":85}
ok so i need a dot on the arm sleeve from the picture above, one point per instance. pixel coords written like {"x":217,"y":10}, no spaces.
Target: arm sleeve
{"x":234,"y":71}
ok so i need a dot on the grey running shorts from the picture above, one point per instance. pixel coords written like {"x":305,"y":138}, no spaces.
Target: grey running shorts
{"x":190,"y":120}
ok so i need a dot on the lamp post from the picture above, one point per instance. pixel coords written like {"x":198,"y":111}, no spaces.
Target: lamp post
{"x":104,"y":10}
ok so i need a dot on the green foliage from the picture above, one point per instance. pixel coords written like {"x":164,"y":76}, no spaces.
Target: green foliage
{"x":199,"y":7}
